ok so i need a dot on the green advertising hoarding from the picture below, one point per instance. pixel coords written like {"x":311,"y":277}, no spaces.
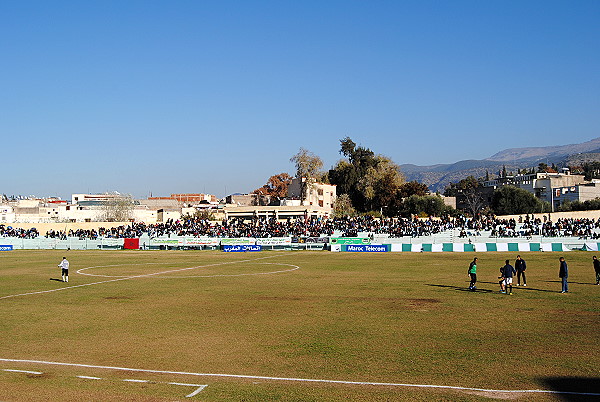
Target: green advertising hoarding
{"x":350,"y":240}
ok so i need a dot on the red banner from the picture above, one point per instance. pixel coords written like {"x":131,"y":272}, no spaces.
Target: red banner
{"x":131,"y":244}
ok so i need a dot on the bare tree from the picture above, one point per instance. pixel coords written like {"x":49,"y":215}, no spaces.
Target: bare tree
{"x":343,"y":206}
{"x":118,"y":208}
{"x":474,"y":201}
{"x":308,"y":167}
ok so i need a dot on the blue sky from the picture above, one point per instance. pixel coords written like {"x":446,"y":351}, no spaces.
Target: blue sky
{"x":164,"y":97}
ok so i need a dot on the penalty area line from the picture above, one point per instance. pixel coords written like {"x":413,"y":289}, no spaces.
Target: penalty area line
{"x":308,"y":380}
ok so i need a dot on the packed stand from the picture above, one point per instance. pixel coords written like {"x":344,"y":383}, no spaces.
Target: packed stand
{"x":347,"y":227}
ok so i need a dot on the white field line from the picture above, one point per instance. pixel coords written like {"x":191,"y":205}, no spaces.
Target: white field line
{"x":23,"y":371}
{"x":196,"y":392}
{"x":134,"y":277}
{"x":85,"y":377}
{"x":308,"y":380}
{"x":294,"y":267}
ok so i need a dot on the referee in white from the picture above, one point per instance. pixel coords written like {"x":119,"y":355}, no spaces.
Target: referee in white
{"x":64,"y":266}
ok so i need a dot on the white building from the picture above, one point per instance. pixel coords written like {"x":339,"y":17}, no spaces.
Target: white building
{"x":555,"y":188}
{"x":318,"y":194}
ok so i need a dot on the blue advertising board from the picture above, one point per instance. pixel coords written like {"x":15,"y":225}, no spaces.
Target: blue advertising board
{"x":232,"y":248}
{"x":366,"y":248}
{"x":6,"y":248}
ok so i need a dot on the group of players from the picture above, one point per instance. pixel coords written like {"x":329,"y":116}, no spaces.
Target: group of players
{"x":507,"y":272}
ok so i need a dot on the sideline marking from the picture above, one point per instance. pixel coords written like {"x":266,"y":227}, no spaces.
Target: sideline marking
{"x":134,"y":277}
{"x":132,"y":380}
{"x":87,"y":377}
{"x":310,"y":380}
{"x":23,"y":371}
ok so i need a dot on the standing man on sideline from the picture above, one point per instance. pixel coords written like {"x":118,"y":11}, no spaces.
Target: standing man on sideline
{"x":64,"y":269}
{"x":473,"y":274}
{"x":597,"y":269}
{"x":508,"y":271}
{"x":563,"y":273}
{"x":520,"y":266}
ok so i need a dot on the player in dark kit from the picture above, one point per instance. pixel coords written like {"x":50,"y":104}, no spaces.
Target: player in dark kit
{"x":508,"y":271}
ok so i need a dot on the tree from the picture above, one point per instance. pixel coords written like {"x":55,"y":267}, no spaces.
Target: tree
{"x":468,"y":183}
{"x":591,"y":170}
{"x":118,"y":208}
{"x":474,"y":201}
{"x":275,"y":189}
{"x":430,"y":205}
{"x":308,"y":168}
{"x":371,"y":181}
{"x":413,"y":188}
{"x":381,"y":183}
{"x":509,"y":200}
{"x":343,"y":206}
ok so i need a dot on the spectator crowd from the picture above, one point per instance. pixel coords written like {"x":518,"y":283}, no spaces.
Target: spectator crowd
{"x":346,"y":227}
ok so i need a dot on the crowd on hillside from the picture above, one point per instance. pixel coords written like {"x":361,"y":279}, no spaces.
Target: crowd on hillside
{"x":346,"y":227}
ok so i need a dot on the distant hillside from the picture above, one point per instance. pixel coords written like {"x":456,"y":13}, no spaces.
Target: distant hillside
{"x":437,"y":177}
{"x":539,"y":153}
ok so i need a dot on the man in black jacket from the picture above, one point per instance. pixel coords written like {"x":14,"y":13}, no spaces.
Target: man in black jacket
{"x":563,"y":274}
{"x":520,"y":266}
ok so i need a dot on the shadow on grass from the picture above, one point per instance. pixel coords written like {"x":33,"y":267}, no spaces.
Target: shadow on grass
{"x":574,"y":388}
{"x":57,"y":280}
{"x":527,"y":288}
{"x":577,"y":283}
{"x":461,"y":289}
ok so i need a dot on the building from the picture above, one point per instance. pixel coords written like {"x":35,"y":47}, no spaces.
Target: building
{"x":190,"y":198}
{"x":554,"y":188}
{"x":318,"y":194}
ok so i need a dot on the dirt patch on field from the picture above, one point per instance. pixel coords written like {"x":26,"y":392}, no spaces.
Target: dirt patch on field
{"x":423,"y":304}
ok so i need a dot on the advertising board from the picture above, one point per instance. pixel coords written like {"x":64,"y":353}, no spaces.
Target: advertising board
{"x":201,"y":241}
{"x":366,"y":248}
{"x":233,"y":248}
{"x":274,"y":241}
{"x":244,"y":240}
{"x":350,"y":240}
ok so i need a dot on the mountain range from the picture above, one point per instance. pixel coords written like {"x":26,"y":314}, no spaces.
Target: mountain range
{"x":437,"y":177}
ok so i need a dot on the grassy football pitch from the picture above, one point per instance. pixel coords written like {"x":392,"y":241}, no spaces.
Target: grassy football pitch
{"x":305,"y":326}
